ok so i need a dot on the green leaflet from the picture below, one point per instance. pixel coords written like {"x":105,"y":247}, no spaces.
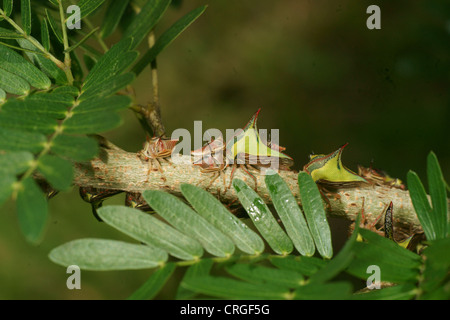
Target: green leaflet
{"x":32,"y":210}
{"x":46,"y":65}
{"x":112,"y":63}
{"x":54,"y":26}
{"x":58,"y":172}
{"x":11,"y":83}
{"x":215,"y":213}
{"x":45,"y":105}
{"x":315,"y":214}
{"x":154,"y":284}
{"x":264,"y":275}
{"x":91,"y":123}
{"x":290,"y":214}
{"x":434,"y":220}
{"x":106,"y":255}
{"x":200,"y":268}
{"x":2,"y":96}
{"x":438,"y":196}
{"x":402,"y":255}
{"x":89,"y":6}
{"x":392,"y":271}
{"x":233,"y":289}
{"x":15,"y":162}
{"x":167,"y":37}
{"x":421,"y":204}
{"x":17,"y":140}
{"x":9,"y":34}
{"x":434,"y":284}
{"x":107,"y":88}
{"x":328,"y":291}
{"x":89,"y":61}
{"x":83,"y":40}
{"x":8,"y":6}
{"x":339,"y":262}
{"x":13,"y":62}
{"x":25,"y":10}
{"x":77,"y":148}
{"x":263,"y":218}
{"x":152,"y":231}
{"x":397,"y":264}
{"x":22,"y":120}
{"x":113,"y":16}
{"x":110,"y":104}
{"x":141,"y":25}
{"x":307,"y":266}
{"x":189,"y":222}
{"x":45,"y":35}
{"x":7,"y":181}
{"x":70,"y":90}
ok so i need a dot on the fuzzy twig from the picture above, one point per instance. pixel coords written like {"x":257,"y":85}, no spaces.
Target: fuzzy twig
{"x":120,"y":170}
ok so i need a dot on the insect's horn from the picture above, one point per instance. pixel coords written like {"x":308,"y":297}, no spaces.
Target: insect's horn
{"x":255,"y":117}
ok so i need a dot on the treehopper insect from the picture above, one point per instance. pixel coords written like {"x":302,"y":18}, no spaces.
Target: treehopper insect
{"x":380,"y":178}
{"x":388,"y":226}
{"x":210,"y":158}
{"x":155,"y":149}
{"x":328,"y":170}
{"x":408,"y":243}
{"x":136,"y":201}
{"x":96,"y":196}
{"x":247,"y":150}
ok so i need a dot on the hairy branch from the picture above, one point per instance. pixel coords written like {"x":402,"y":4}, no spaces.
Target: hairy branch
{"x":120,"y":170}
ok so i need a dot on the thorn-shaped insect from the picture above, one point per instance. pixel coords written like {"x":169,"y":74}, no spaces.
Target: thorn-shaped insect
{"x":380,"y":178}
{"x":136,"y":201}
{"x":389,"y":232}
{"x":47,"y":189}
{"x":96,"y":196}
{"x":246,"y":150}
{"x":389,"y":223}
{"x":329,"y":170}
{"x":389,"y":228}
{"x":156,"y":149}
{"x":247,"y":144}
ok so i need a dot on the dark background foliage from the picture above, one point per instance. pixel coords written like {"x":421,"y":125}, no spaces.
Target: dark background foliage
{"x":319,"y":75}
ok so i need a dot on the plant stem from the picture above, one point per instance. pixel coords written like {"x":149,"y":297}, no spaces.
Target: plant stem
{"x":67,"y":59}
{"x":150,"y":115}
{"x":96,"y":35}
{"x":151,"y":43}
{"x":125,"y":171}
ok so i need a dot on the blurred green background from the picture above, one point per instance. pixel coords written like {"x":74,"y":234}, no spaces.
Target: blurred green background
{"x":319,"y":75}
